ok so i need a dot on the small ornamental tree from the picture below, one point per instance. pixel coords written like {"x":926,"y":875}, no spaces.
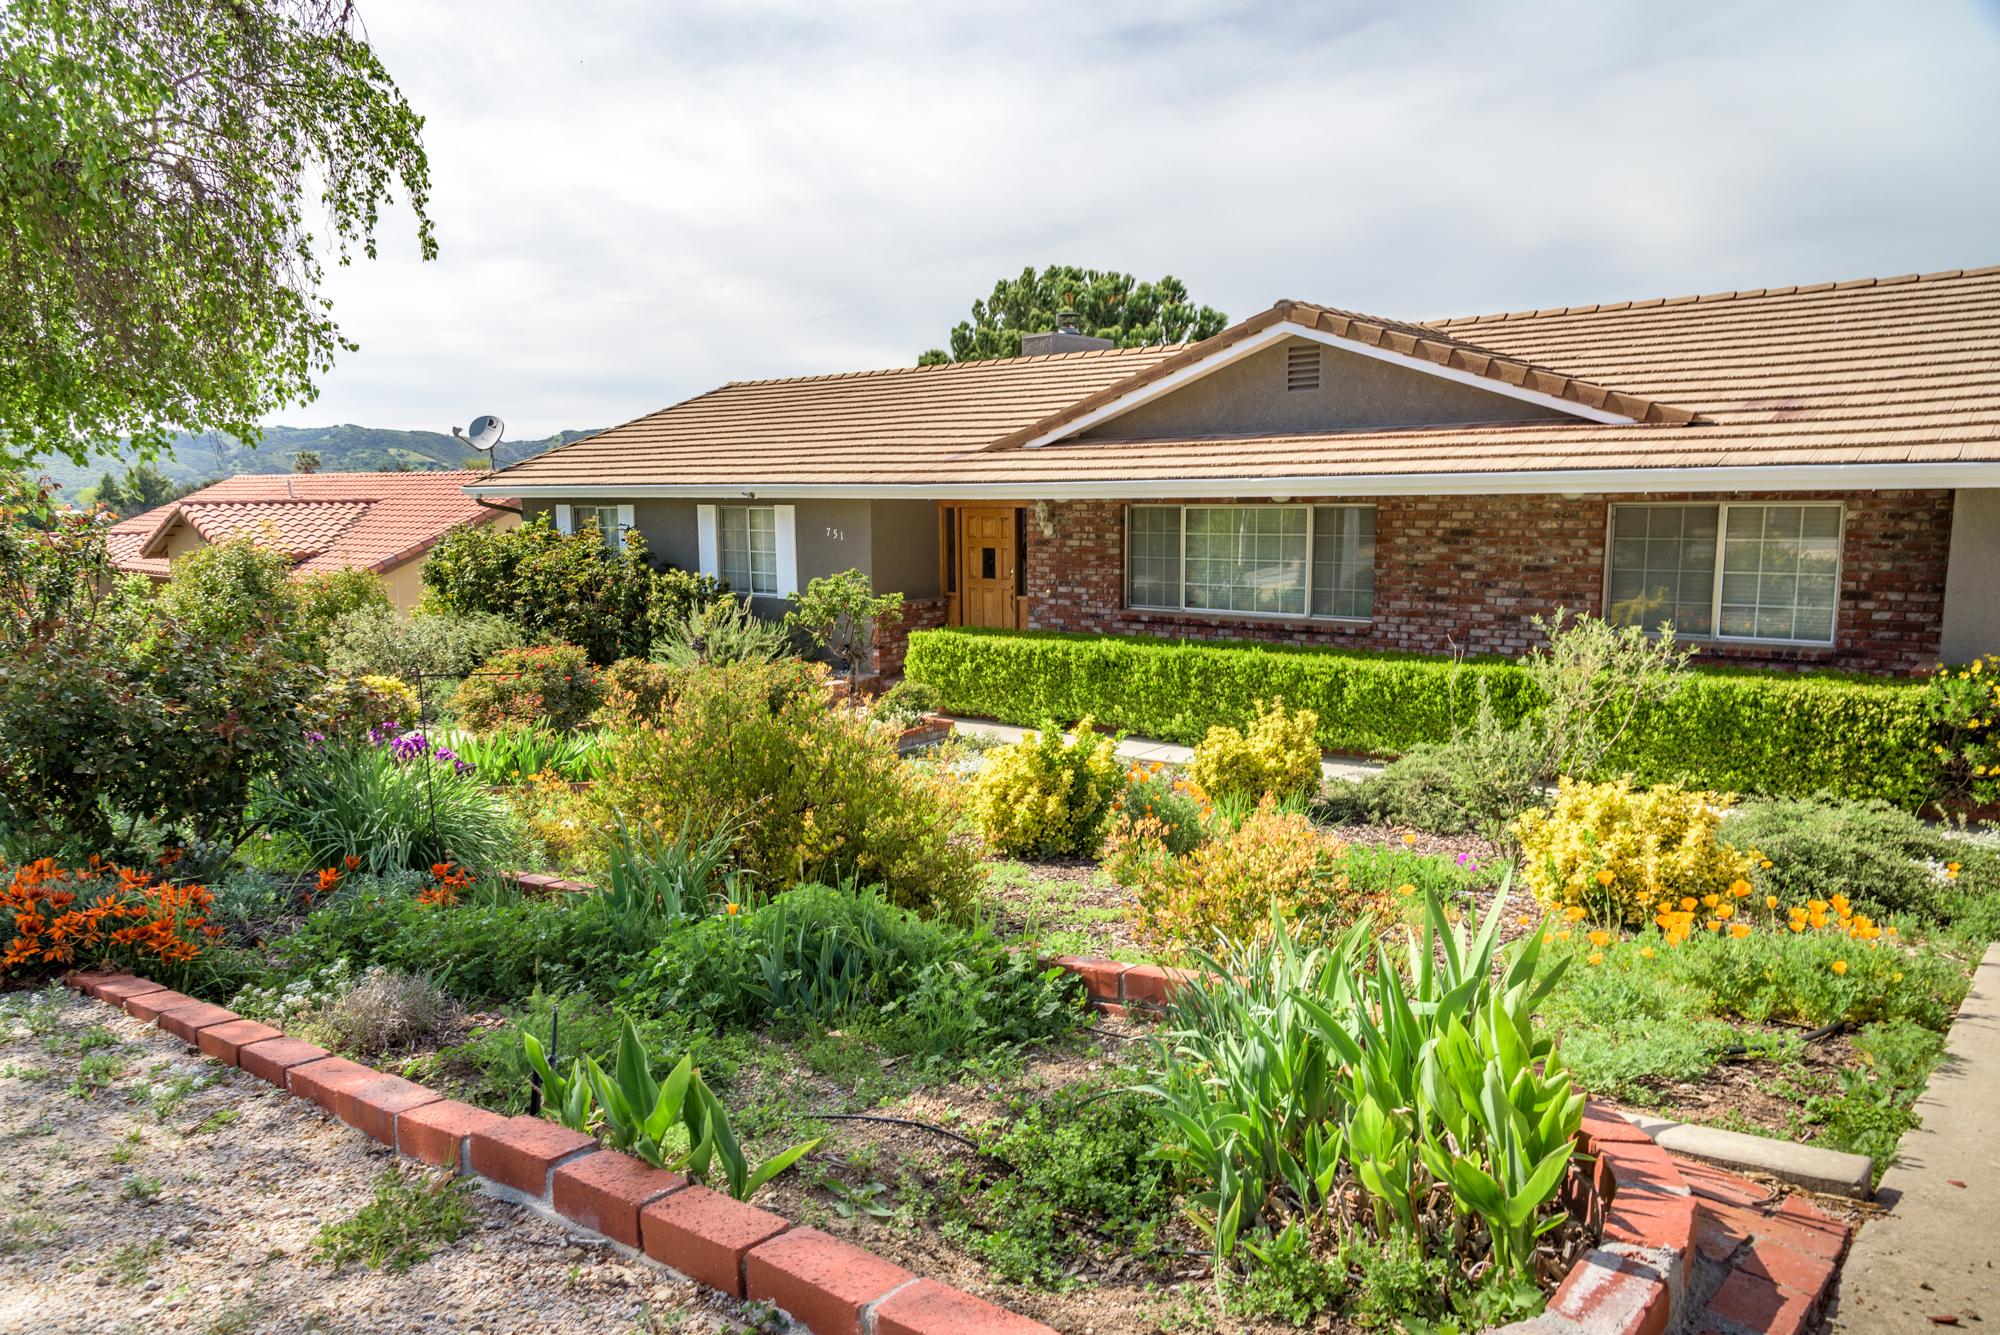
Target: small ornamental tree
{"x":841,"y":614}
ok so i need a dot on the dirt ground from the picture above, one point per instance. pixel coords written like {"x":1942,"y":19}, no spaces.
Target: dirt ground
{"x":151,"y":1189}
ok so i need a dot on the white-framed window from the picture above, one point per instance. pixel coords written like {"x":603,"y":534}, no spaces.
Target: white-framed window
{"x":611,"y":521}
{"x":748,"y":546}
{"x":1733,"y":570}
{"x":1257,"y":560}
{"x":752,"y":548}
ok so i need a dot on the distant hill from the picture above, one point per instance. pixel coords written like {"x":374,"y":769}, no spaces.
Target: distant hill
{"x":342,"y":449}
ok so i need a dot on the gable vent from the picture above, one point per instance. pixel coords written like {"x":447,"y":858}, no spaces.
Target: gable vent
{"x":1302,"y":366}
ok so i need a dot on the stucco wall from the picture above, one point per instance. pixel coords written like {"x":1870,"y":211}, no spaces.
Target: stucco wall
{"x":1972,"y":591}
{"x":894,"y":543}
{"x":1355,"y":393}
{"x":1466,"y":573}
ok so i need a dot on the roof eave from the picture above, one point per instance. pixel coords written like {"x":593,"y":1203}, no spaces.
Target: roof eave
{"x":1560,"y":481}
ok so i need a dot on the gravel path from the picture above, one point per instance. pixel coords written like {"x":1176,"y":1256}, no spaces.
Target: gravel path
{"x":149,"y":1189}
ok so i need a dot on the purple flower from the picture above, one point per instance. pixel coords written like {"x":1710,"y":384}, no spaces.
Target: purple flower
{"x":462,"y":767}
{"x":408,"y":747}
{"x":315,"y":738}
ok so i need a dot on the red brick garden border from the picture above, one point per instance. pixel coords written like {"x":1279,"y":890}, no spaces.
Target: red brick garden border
{"x":1684,"y":1245}
{"x":826,"y":1285}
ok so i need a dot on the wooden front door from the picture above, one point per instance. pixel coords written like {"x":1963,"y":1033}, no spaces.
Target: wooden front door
{"x":986,"y":565}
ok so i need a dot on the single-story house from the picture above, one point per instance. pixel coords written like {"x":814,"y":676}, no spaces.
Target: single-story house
{"x":1800,"y":476}
{"x":381,"y":522}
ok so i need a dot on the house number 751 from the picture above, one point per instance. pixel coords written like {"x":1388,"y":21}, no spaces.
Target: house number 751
{"x":835,"y":534}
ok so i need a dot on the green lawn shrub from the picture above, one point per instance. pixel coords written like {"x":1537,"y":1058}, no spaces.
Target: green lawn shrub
{"x":1884,"y":860}
{"x":806,"y":788}
{"x":545,"y":685}
{"x":1731,"y":730}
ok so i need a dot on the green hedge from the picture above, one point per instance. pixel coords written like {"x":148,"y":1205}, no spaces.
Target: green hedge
{"x":1783,"y":733}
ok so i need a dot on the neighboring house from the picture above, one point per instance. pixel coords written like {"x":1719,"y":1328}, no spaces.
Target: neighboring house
{"x":1800,"y":476}
{"x":381,"y":522}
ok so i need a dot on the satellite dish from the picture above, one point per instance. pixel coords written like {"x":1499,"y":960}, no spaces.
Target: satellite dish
{"x":483,"y":434}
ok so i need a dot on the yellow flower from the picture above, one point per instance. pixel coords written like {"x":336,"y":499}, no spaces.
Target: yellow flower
{"x":1838,"y":966}
{"x":1574,"y":912}
{"x":1710,"y":901}
{"x":1739,"y":930}
{"x":1596,"y":957}
{"x":1797,"y":926}
{"x":1409,"y":841}
{"x":1895,"y":977}
{"x":1739,"y":888}
{"x":1563,"y":935}
{"x":1770,"y":901}
{"x":1406,"y":889}
{"x":1766,"y":864}
{"x":1817,"y":905}
{"x":732,"y":909}
{"x":1645,"y":952}
{"x":1606,"y":876}
{"x":1600,"y":938}
{"x":1725,"y":911}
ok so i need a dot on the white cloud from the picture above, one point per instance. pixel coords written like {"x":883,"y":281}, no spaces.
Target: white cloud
{"x":637,"y":202}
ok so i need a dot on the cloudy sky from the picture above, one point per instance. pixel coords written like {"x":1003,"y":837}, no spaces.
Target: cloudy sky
{"x":637,"y":201}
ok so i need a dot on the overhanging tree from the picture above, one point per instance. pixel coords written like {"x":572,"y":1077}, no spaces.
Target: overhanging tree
{"x":157,"y":164}
{"x":1109,"y":305}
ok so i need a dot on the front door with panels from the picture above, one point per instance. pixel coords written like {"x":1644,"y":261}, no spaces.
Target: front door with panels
{"x":986,"y":565}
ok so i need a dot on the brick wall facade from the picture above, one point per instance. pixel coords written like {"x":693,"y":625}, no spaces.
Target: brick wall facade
{"x":892,"y":643}
{"x":1466,"y":573}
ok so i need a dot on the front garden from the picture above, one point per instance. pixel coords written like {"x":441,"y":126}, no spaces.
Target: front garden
{"x":808,"y":968}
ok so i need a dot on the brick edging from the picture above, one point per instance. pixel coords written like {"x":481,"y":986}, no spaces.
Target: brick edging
{"x":828,"y":1286}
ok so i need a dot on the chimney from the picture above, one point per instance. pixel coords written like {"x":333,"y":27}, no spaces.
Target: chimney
{"x":1066,"y":338}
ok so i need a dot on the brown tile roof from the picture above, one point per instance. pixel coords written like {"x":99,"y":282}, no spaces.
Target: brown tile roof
{"x":1882,"y":371}
{"x":328,"y":521}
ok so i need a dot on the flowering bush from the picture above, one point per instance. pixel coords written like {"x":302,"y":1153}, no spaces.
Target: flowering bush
{"x":395,"y":800}
{"x":1617,"y":853}
{"x":1885,"y":860}
{"x":1762,"y":959}
{"x":284,"y":1004}
{"x":550,"y":684}
{"x":1225,"y":892}
{"x":1157,"y":817}
{"x":804,"y":788}
{"x":1963,"y":704}
{"x":349,"y":707}
{"x":1275,"y":754}
{"x":100,"y":913}
{"x":1046,"y":795}
{"x":636,"y":692}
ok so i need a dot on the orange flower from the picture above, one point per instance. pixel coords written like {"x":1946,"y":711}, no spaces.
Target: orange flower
{"x":1838,"y":966}
{"x":1605,"y":876}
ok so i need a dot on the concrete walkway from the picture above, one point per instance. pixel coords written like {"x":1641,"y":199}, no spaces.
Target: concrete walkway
{"x":1933,"y":1262}
{"x":1146,"y":750}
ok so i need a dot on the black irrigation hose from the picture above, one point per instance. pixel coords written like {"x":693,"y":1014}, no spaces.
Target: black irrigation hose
{"x":903,"y":1121}
{"x":1810,"y":1036}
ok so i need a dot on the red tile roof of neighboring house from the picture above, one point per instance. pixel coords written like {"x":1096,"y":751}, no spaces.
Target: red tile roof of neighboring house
{"x":327,"y":521}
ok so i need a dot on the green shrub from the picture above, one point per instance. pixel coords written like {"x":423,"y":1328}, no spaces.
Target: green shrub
{"x":376,"y":642}
{"x":1156,"y":808}
{"x":1782,"y":733}
{"x":1388,"y":871}
{"x":567,"y":587}
{"x":718,"y":633}
{"x":1963,"y":704}
{"x":348,"y":707}
{"x":1275,"y":753}
{"x":547,"y":685}
{"x":842,"y":614}
{"x":230,"y":589}
{"x":400,"y":803}
{"x":807,"y":789}
{"x":332,"y":594}
{"x":636,"y":692}
{"x":1047,"y":795}
{"x":1884,"y":860}
{"x":906,"y":703}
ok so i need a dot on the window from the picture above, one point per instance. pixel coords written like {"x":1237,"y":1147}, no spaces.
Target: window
{"x":1261,"y":560}
{"x":748,"y":544}
{"x":605,"y":517}
{"x":1733,"y":571}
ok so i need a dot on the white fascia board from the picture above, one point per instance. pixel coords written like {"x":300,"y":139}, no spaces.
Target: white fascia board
{"x":1285,"y":329}
{"x":1558,"y":481}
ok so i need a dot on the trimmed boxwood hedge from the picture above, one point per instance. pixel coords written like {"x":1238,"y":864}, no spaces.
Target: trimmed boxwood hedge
{"x":1734,"y":730}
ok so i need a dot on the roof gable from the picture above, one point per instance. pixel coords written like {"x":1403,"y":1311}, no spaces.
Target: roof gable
{"x":1413,"y":348}
{"x":324,"y":521}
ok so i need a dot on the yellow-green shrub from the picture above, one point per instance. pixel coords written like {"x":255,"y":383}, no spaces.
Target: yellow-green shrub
{"x":1226,"y":889}
{"x":1276,"y":754}
{"x":1045,"y":796}
{"x":347,"y":707}
{"x":1623,"y":853}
